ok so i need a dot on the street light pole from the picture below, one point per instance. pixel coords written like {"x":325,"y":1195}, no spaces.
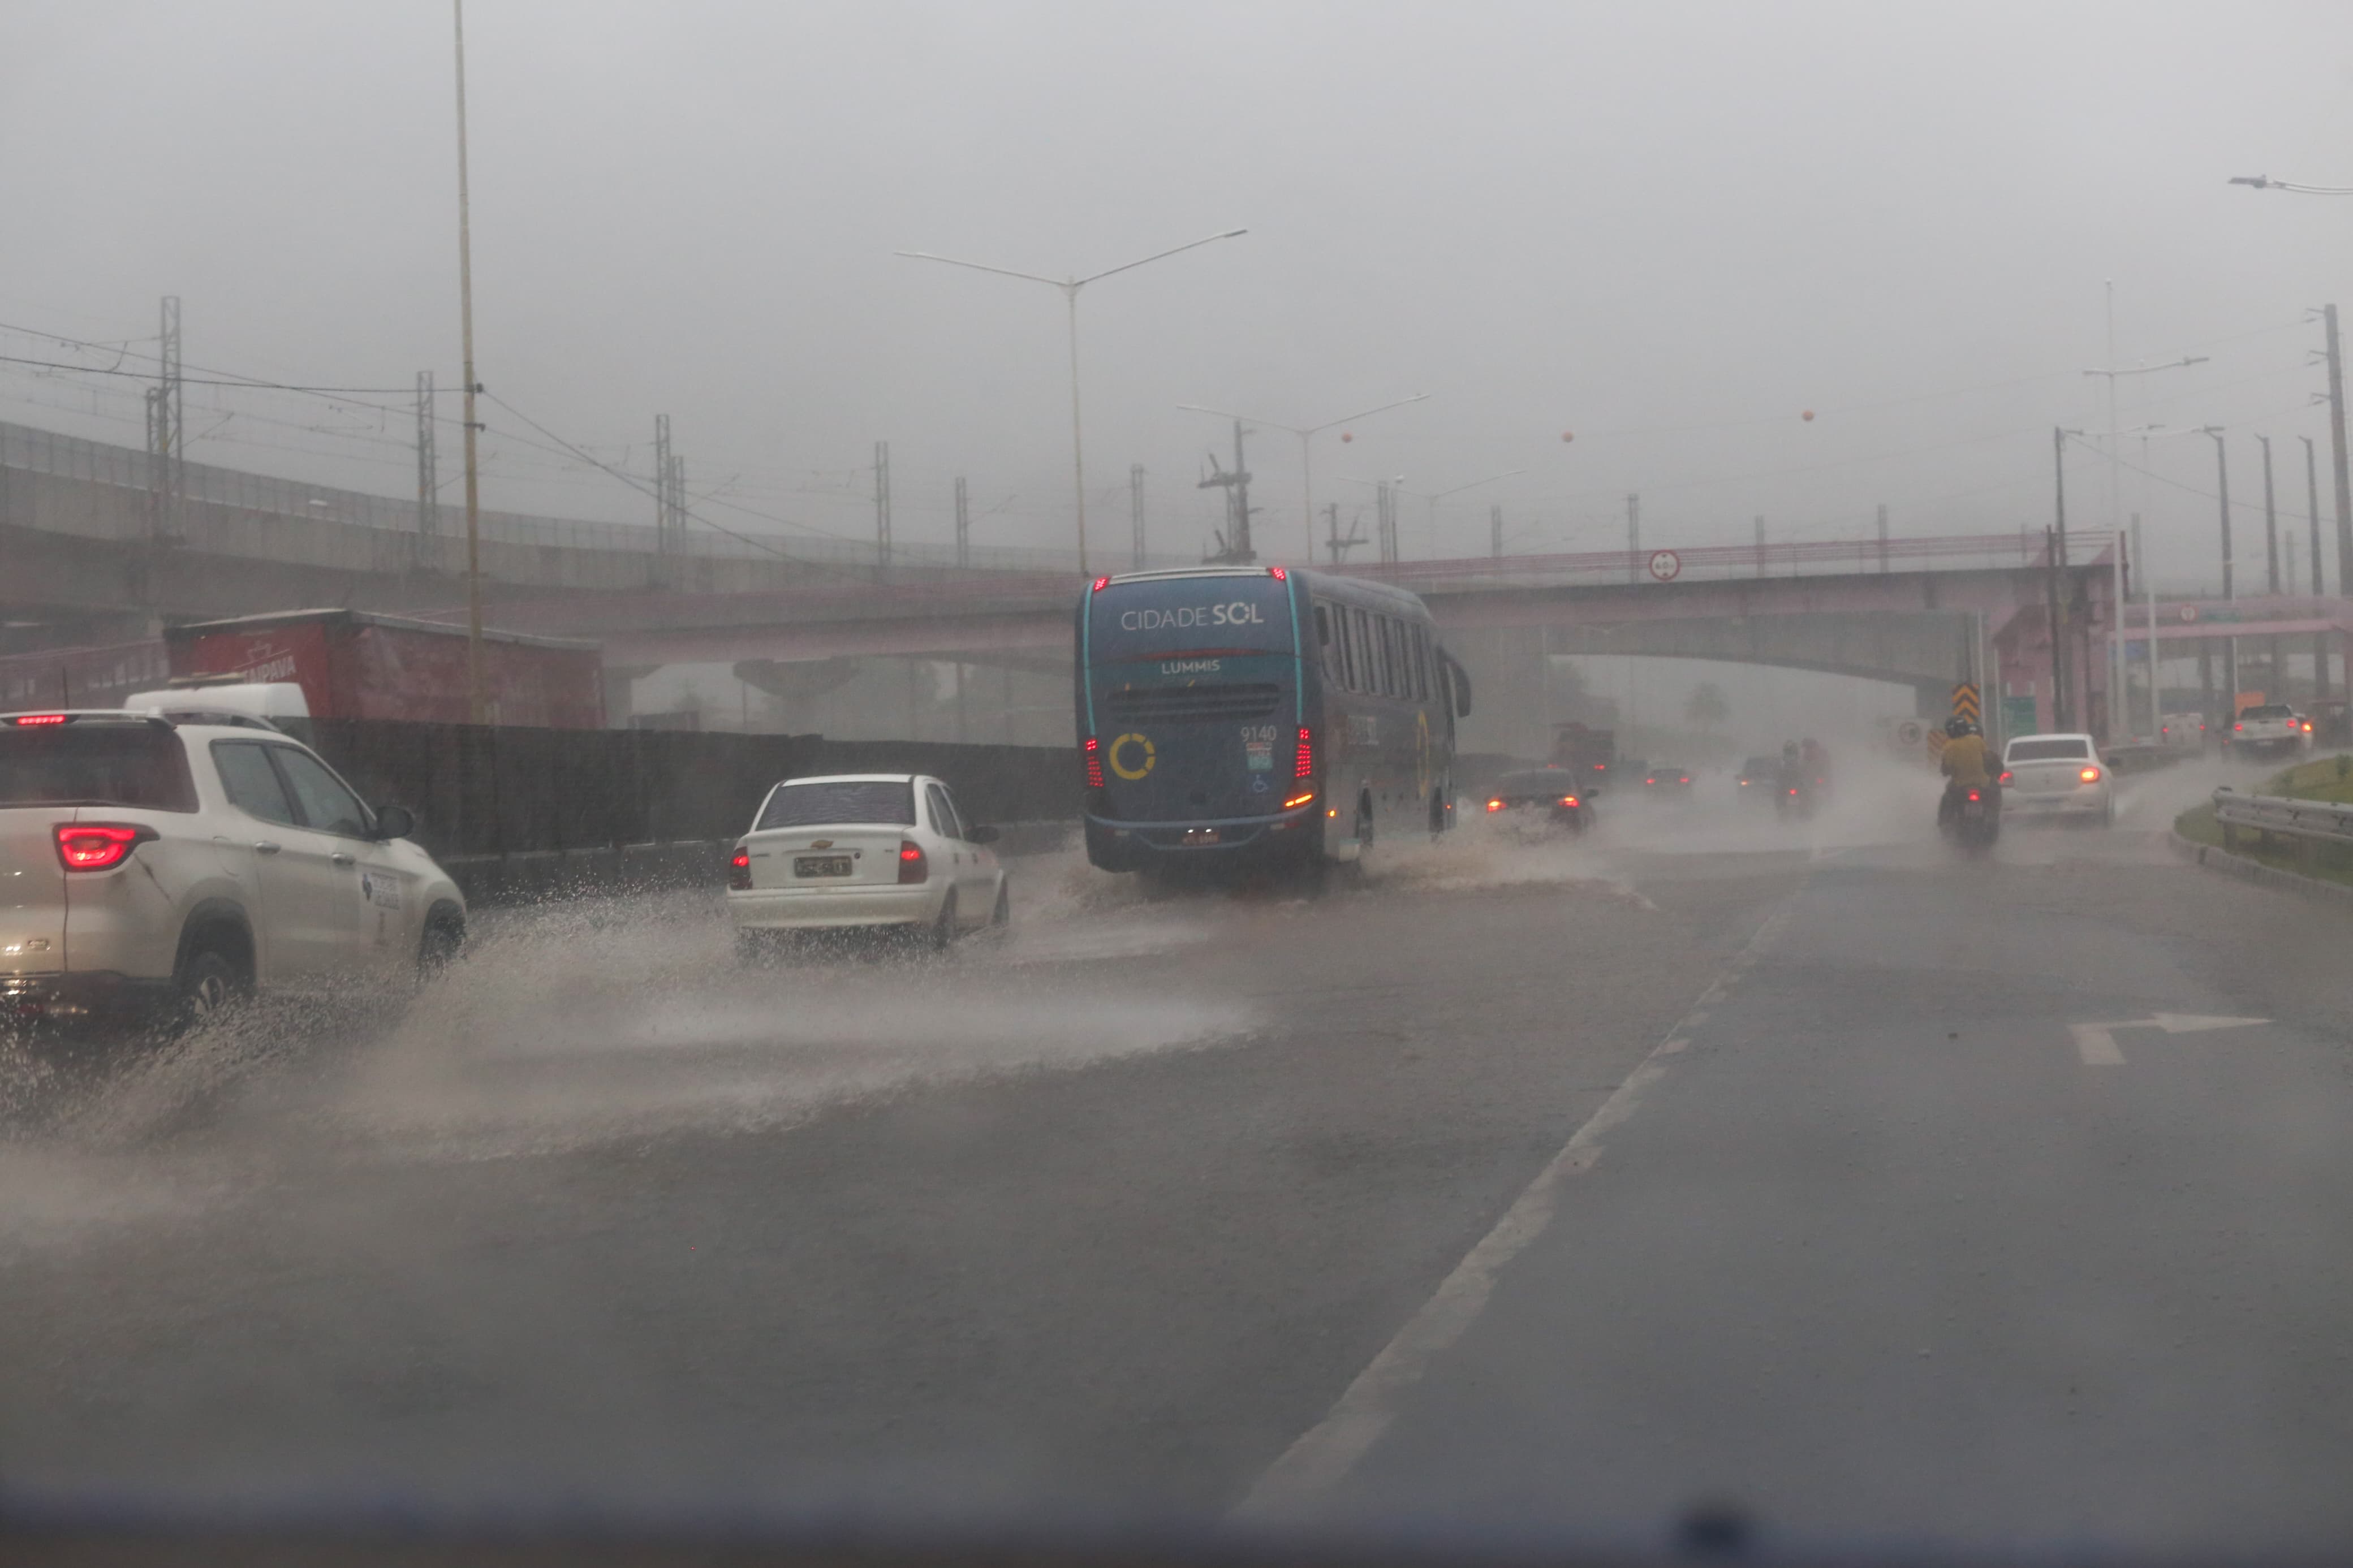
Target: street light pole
{"x":2230,"y":591}
{"x":1306,"y":434}
{"x":1070,"y":288}
{"x":478,"y":704}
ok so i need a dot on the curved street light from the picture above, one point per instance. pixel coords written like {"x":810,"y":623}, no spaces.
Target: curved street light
{"x":1070,"y":288}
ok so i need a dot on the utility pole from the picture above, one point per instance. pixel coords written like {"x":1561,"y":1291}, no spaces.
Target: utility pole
{"x":1384,"y":521}
{"x":1882,"y":536}
{"x":2320,"y":681}
{"x":2230,"y":589}
{"x":662,"y":484}
{"x":2336,"y":454}
{"x":2056,"y":555}
{"x":167,"y":429}
{"x":883,"y":506}
{"x":1136,"y":512}
{"x":1760,"y":547}
{"x":964,"y":556}
{"x":1332,"y":522}
{"x":478,"y":696}
{"x":428,"y":466}
{"x":1633,"y":537}
{"x":1234,"y":543}
{"x":1495,"y":530}
{"x":2272,"y":560}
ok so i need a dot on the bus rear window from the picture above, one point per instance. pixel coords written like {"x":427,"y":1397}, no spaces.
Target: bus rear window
{"x":83,"y":764}
{"x":1198,"y":616}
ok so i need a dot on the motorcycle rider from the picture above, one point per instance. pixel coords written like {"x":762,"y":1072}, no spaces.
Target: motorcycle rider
{"x":1964,"y":765}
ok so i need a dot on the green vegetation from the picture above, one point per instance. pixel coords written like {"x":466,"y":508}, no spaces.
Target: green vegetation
{"x":2329,"y":778}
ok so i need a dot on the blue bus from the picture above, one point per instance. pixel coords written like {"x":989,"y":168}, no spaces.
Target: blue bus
{"x":1237,"y":716}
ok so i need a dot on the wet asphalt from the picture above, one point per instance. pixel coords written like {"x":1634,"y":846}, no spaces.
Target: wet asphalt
{"x":1165,"y":1206}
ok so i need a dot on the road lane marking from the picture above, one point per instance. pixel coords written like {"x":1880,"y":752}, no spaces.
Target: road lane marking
{"x":1322,"y":1456}
{"x":2097,"y":1043}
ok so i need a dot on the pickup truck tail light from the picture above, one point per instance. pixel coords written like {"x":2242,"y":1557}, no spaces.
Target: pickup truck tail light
{"x":913,"y":866}
{"x":99,"y":845}
{"x":2005,"y":777}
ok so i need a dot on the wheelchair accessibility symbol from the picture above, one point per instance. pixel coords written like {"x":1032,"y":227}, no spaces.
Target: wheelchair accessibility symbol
{"x":1118,"y":751}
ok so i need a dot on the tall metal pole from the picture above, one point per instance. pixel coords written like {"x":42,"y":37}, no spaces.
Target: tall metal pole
{"x":2336,"y":454}
{"x":2149,"y":598}
{"x":2230,"y":586}
{"x":2275,"y":678}
{"x":1306,"y":490}
{"x":882,"y":505}
{"x":2320,"y":672}
{"x":1633,"y":537}
{"x":964,"y":554}
{"x":478,"y":698}
{"x":1495,"y":530}
{"x":428,"y":461}
{"x":2061,"y":706}
{"x":1136,"y":512}
{"x":1078,"y":446}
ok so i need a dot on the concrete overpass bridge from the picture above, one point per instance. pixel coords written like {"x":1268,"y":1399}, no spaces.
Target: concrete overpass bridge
{"x":94,"y":551}
{"x":1920,"y":612}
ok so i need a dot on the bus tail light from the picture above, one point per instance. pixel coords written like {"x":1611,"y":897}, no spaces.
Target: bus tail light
{"x":1278,"y":573}
{"x":739,"y":868}
{"x":1100,"y":584}
{"x":913,"y":868}
{"x":98,"y":846}
{"x":1303,"y":763}
{"x":1298,"y":800}
{"x":1093,"y":750}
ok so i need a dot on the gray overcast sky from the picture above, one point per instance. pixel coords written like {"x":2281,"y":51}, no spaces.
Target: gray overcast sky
{"x":1667,"y":228}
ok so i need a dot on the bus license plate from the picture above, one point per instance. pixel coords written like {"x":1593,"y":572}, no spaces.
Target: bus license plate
{"x":820,"y":865}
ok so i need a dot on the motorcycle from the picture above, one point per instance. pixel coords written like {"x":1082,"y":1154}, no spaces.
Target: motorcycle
{"x":1975,"y":824}
{"x":1795,"y":799}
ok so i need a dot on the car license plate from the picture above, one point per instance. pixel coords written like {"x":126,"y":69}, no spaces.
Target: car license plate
{"x":820,"y":865}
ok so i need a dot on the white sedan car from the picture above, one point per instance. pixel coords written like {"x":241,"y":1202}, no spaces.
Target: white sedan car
{"x":863,"y":850}
{"x":2057,"y":776}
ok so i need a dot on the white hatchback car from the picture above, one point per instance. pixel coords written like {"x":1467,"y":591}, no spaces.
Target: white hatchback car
{"x":853,"y":850}
{"x":2057,"y":776}
{"x":170,"y":863}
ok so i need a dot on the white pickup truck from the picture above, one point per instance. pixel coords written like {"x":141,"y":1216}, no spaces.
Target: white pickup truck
{"x":2272,"y":728}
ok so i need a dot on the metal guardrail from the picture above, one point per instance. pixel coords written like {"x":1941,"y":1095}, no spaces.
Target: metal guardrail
{"x":2318,"y":821}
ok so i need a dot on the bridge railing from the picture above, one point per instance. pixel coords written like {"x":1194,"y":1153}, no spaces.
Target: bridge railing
{"x":1720,"y":563}
{"x":135,"y":470}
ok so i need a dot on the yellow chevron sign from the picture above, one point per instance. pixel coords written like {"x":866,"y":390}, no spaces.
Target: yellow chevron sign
{"x":1964,"y":703}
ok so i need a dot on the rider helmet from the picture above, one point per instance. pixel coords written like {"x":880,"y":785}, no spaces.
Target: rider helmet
{"x":1956,"y":726}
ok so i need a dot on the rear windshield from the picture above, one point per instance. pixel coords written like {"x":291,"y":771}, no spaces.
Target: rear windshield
{"x":1538,"y":781}
{"x":1760,"y":764}
{"x":833,"y":803}
{"x":2048,"y":750}
{"x":95,"y":765}
{"x":1194,"y":615}
{"x":2269,"y":710}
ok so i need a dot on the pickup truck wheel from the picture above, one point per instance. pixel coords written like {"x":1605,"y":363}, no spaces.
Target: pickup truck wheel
{"x":209,"y":984}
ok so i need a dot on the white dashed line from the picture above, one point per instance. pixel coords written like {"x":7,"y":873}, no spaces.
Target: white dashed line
{"x":1325,"y":1454}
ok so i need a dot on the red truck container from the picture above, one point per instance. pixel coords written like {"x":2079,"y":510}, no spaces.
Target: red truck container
{"x":354,"y":664}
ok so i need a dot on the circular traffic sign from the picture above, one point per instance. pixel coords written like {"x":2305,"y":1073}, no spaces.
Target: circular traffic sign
{"x":2188,"y":613}
{"x":1908,"y":732}
{"x":1664,"y":565}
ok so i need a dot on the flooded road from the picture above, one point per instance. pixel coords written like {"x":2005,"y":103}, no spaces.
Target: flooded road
{"x":1117,"y":1210}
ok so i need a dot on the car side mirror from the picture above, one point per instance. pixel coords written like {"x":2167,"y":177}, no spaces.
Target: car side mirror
{"x":982,"y":835}
{"x":394,"y":822}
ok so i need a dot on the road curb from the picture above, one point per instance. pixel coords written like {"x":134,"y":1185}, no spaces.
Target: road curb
{"x":2213,"y":858}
